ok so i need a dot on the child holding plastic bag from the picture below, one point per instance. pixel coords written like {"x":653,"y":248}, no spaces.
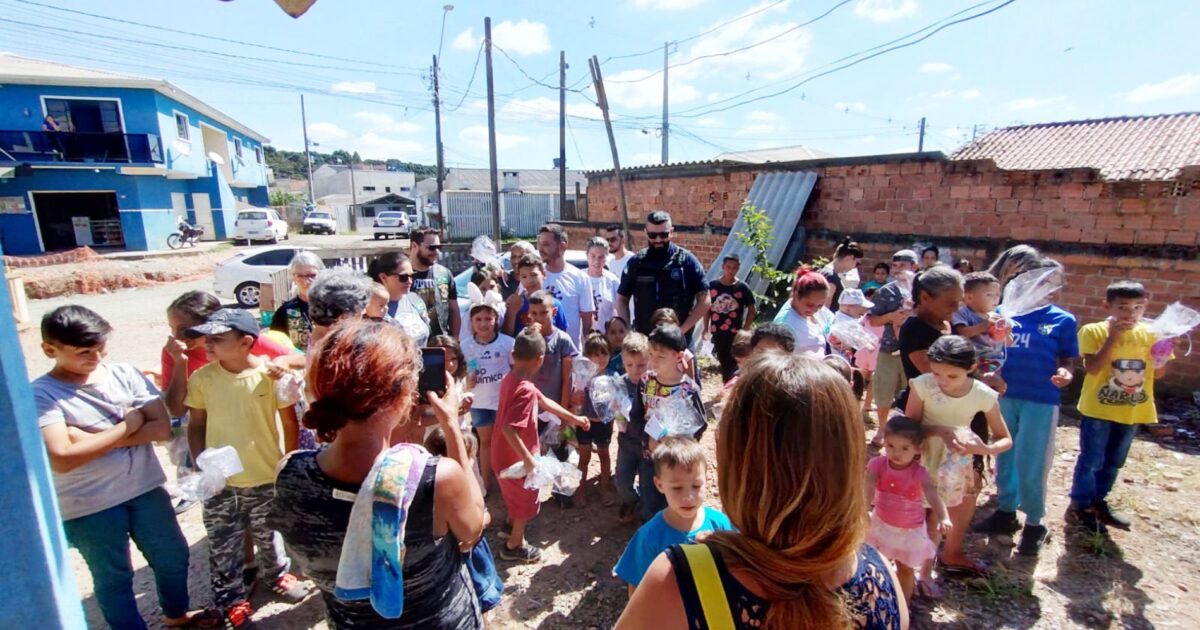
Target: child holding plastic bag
{"x":598,"y":436}
{"x":669,"y":404}
{"x":945,"y":400}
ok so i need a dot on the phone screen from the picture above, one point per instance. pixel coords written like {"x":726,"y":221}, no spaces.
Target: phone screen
{"x":433,"y":372}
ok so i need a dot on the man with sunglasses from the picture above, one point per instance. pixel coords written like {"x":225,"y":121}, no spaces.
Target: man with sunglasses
{"x":433,"y":283}
{"x":663,"y":275}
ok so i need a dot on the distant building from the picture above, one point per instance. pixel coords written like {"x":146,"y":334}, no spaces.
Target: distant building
{"x":776,"y":154}
{"x":334,"y":179}
{"x":131,"y":156}
{"x":528,"y":198}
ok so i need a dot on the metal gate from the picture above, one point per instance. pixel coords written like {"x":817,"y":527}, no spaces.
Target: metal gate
{"x":469,"y":214}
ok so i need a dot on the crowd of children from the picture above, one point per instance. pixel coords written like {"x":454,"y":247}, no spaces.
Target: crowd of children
{"x":530,"y":390}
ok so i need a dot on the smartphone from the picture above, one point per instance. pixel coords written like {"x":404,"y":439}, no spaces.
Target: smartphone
{"x":433,"y":373}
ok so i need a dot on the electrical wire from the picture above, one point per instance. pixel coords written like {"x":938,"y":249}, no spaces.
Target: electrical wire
{"x":466,"y":92}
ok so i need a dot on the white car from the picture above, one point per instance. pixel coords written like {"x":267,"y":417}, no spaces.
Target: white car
{"x":319,"y":222}
{"x":239,"y":277}
{"x":259,"y":224}
{"x":391,"y":224}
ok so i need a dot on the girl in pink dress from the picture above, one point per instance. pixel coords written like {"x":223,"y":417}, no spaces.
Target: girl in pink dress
{"x":896,"y":485}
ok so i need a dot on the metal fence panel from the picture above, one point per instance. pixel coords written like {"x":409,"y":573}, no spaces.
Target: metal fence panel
{"x":469,"y":214}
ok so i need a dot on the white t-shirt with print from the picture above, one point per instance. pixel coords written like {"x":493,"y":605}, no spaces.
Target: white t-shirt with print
{"x":572,"y":288}
{"x":487,"y":364}
{"x":604,"y":294}
{"x":810,"y":337}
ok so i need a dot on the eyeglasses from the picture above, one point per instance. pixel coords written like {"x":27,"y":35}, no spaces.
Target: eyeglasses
{"x":658,"y":236}
{"x":402,"y":277}
{"x":432,"y":248}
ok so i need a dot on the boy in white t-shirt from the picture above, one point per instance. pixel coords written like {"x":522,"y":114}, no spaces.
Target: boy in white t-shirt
{"x":487,"y":353}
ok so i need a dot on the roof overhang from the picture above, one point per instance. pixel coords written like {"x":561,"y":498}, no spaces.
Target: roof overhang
{"x":143,"y":170}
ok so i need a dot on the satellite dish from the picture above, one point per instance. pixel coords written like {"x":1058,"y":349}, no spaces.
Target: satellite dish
{"x":217,"y":159}
{"x":181,"y":147}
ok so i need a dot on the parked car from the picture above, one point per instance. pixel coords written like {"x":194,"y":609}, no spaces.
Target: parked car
{"x":238,"y":277}
{"x":259,"y":224}
{"x":319,"y":222}
{"x":391,"y":224}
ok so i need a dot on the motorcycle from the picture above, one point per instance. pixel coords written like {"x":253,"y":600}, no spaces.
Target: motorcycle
{"x":184,"y":234}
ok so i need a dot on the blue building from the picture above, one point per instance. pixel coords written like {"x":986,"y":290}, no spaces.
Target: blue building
{"x":123,"y":160}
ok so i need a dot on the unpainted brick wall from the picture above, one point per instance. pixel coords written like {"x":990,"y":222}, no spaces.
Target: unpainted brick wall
{"x":1100,"y":230}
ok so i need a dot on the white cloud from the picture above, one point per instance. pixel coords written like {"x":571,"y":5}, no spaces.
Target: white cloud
{"x":477,"y":138}
{"x":374,"y":146}
{"x":762,"y":116}
{"x":950,"y":94}
{"x":1182,"y":85}
{"x":1025,"y":104}
{"x":761,"y":122}
{"x":543,"y":108}
{"x":715,"y":96}
{"x":867,"y":139}
{"x":936,"y":67}
{"x":382,"y":123}
{"x":708,"y":121}
{"x":466,"y":40}
{"x":856,"y":106}
{"x":969,"y":94}
{"x":645,"y":157}
{"x":353,"y":87}
{"x":954,"y":132}
{"x":667,"y":5}
{"x":326,"y":132}
{"x":625,"y":91}
{"x":885,"y":10}
{"x":775,"y":59}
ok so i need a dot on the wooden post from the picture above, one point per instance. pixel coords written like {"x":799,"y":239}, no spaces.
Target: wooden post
{"x":437,"y":126}
{"x":491,"y":115}
{"x":602,"y":100}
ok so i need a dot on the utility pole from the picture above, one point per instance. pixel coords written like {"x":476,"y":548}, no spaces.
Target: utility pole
{"x":491,"y":111}
{"x":665,"y":126}
{"x":437,"y":126}
{"x":353,"y":197}
{"x":562,"y":131}
{"x":921,"y":137}
{"x":307,"y":155}
{"x":602,"y":100}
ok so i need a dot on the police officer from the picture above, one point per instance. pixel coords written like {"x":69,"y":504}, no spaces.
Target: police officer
{"x":663,"y":275}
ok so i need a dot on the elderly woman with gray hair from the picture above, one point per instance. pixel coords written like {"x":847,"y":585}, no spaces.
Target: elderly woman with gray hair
{"x":292,"y":317}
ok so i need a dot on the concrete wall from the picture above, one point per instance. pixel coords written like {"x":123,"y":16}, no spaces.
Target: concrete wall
{"x":1100,"y":230}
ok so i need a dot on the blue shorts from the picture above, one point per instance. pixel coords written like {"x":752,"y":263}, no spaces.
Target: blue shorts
{"x":483,"y":418}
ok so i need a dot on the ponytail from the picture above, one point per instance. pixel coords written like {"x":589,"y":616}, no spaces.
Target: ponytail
{"x":326,"y":417}
{"x":848,"y":248}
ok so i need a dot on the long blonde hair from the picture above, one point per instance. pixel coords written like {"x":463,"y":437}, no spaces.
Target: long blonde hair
{"x":790,"y":459}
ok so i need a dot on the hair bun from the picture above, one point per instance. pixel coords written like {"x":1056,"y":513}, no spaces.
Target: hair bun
{"x":325,"y":416}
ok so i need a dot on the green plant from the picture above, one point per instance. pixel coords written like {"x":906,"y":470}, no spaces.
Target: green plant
{"x":283,"y":197}
{"x":758,"y":236}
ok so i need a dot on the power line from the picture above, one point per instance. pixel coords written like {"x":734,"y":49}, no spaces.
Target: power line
{"x":212,"y":37}
{"x":466,"y":92}
{"x":735,"y":51}
{"x":714,"y":29}
{"x":578,"y":153}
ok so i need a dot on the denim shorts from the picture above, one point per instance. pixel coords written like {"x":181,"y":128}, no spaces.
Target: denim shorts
{"x":483,"y":418}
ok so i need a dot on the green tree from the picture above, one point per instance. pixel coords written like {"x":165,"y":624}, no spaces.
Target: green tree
{"x":283,"y":197}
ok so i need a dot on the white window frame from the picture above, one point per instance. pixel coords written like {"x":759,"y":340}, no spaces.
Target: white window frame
{"x":258,"y":155}
{"x":237,"y":147}
{"x":120,"y":106}
{"x":187,"y":125}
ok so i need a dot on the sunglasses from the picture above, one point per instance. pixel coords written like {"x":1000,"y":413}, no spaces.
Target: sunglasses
{"x":403,"y":277}
{"x":432,"y":248}
{"x":658,"y":236}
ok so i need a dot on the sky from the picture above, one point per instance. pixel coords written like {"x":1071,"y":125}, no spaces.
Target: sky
{"x":364,"y":67}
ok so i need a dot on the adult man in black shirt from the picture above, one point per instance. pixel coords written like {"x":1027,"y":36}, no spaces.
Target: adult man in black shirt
{"x":433,"y":282}
{"x":663,"y":275}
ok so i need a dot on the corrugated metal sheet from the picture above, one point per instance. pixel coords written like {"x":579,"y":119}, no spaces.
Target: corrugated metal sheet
{"x":1126,"y":148}
{"x":470,"y":213}
{"x":783,"y":197}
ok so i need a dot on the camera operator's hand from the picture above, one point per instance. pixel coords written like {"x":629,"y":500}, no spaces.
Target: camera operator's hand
{"x":445,"y":406}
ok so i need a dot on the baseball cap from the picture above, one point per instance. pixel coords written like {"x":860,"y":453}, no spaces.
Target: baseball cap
{"x":855,"y":297}
{"x":906,"y":255}
{"x":223,"y":321}
{"x":669,"y":336}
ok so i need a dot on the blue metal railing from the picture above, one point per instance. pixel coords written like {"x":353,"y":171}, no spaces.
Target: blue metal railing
{"x":63,"y":146}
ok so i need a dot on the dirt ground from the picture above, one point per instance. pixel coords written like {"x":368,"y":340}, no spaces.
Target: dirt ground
{"x":1142,"y":578}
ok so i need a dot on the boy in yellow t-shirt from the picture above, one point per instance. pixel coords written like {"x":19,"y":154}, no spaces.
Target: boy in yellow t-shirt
{"x":1118,"y":395}
{"x":232,"y":402}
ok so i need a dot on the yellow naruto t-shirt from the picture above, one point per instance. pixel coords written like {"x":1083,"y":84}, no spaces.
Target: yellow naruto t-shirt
{"x":241,"y":413}
{"x":1123,"y":391}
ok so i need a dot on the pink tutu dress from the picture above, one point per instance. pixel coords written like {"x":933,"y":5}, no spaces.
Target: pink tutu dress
{"x":898,"y":523}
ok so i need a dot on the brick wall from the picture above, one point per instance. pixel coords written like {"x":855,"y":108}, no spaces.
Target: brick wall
{"x":1100,"y":230}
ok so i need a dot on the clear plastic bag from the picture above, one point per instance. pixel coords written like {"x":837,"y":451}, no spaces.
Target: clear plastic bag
{"x":216,"y":465}
{"x":706,"y":349}
{"x":582,"y":371}
{"x":608,"y":398}
{"x":551,"y":434}
{"x":483,"y":250}
{"x":1176,"y":320}
{"x":854,"y":334}
{"x":561,"y":477}
{"x":673,"y":415}
{"x":850,"y":279}
{"x":1030,"y":291}
{"x":289,"y":389}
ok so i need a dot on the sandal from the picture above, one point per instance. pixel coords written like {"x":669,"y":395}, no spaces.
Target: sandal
{"x":207,"y":618}
{"x":975,"y":569}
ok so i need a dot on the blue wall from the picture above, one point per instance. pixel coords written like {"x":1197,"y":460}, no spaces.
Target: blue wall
{"x":21,"y":105}
{"x":196,"y":161}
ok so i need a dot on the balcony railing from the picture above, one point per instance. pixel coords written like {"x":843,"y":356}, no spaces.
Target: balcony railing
{"x":63,"y":146}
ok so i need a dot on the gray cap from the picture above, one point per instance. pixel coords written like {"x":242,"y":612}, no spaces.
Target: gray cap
{"x":906,"y":255}
{"x":223,"y":321}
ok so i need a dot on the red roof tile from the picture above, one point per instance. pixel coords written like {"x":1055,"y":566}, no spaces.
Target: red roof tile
{"x":1129,"y":147}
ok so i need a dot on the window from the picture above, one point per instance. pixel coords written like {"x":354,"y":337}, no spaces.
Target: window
{"x":387,"y":189}
{"x":368,"y":189}
{"x":182,"y":127}
{"x":276,"y":257}
{"x":258,"y":155}
{"x":237,"y":147}
{"x":86,"y":115}
{"x":368,"y":211}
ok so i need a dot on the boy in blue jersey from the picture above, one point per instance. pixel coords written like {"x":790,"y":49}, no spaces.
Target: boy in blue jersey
{"x":1040,"y":363}
{"x":679,"y":468}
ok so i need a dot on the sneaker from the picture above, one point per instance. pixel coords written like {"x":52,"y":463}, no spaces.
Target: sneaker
{"x":1086,"y":519}
{"x":1033,"y":538}
{"x":291,"y":588}
{"x":238,"y":615}
{"x":1106,"y":515}
{"x":1000,"y":522}
{"x":184,"y":505}
{"x":526,"y":553}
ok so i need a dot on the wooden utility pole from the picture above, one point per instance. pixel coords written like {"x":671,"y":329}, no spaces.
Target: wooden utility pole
{"x":562,"y":132}
{"x":307,"y":155}
{"x":602,"y":101}
{"x":353,"y":197}
{"x":665,"y":126}
{"x":921,"y":136}
{"x":491,"y":111}
{"x":437,"y":126}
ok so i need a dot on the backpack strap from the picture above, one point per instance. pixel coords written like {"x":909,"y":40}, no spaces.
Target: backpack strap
{"x":709,"y":589}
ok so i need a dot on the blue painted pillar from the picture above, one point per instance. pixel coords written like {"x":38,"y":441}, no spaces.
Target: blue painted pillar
{"x":36,"y":580}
